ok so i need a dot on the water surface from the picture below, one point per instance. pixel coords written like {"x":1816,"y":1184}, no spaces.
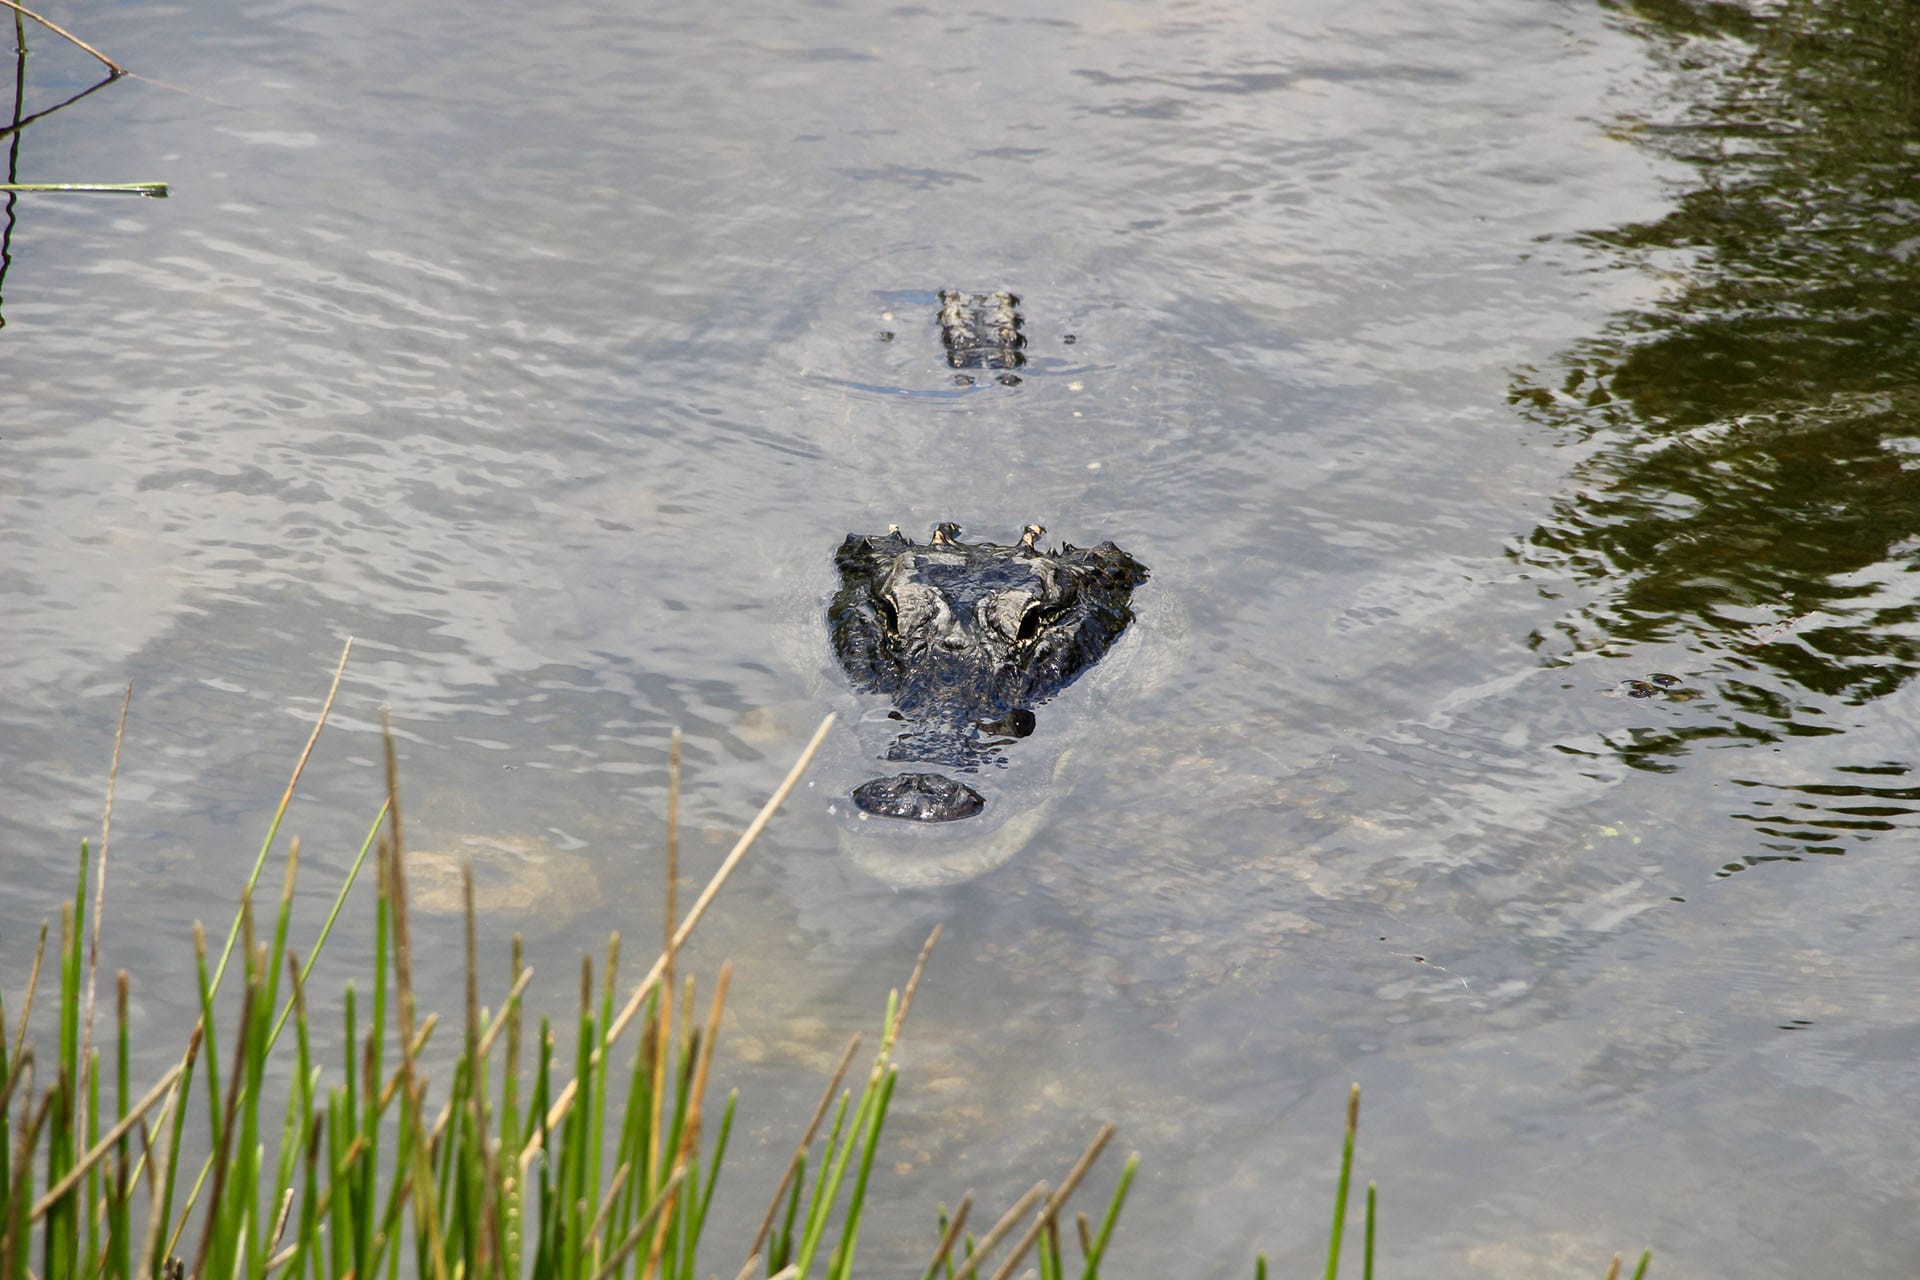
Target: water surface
{"x":1453,"y":368}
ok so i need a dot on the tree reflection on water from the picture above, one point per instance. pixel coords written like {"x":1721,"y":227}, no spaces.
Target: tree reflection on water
{"x":1750,"y":485}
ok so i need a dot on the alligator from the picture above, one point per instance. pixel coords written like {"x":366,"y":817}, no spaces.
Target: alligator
{"x":966,"y":640}
{"x":982,"y":331}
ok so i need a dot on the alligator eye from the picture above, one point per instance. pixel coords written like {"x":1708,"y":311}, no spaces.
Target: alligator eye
{"x":888,"y":614}
{"x":1030,"y":623}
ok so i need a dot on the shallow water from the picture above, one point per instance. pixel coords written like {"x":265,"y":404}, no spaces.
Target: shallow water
{"x":1450,"y":366}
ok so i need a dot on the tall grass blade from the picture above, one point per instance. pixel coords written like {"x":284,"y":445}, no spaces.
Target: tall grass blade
{"x":1346,"y":1178}
{"x":1098,"y":1249}
{"x":1367,"y":1258}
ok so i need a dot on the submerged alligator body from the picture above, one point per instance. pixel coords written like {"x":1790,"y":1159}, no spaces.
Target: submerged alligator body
{"x":982,"y":331}
{"x":966,"y":640}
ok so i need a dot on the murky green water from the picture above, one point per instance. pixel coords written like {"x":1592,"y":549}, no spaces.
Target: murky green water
{"x":1462,"y":372}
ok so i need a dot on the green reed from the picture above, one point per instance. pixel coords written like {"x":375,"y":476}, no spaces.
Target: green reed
{"x":523,"y":1157}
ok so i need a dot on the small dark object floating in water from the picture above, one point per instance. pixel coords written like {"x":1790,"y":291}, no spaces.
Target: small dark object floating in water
{"x":1658,"y":684}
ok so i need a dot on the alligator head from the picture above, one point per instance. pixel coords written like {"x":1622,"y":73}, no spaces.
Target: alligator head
{"x":966,"y":640}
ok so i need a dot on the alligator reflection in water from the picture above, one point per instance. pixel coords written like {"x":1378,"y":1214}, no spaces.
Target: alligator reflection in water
{"x":966,"y":640}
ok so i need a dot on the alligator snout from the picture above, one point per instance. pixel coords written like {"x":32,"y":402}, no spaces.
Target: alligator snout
{"x":966,"y":639}
{"x":919,"y":797}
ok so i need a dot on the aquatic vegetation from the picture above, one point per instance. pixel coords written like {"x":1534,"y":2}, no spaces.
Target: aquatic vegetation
{"x":527,"y":1161}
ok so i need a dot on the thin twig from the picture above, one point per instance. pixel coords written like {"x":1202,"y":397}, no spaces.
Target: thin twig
{"x":558,"y":1110}
{"x":806,"y":1141}
{"x":690,"y":1132}
{"x":286,"y":797}
{"x":491,"y":1034}
{"x":280,"y":1222}
{"x":426,"y":1218}
{"x":1057,"y":1199}
{"x":499,"y":1019}
{"x":640,"y":1228}
{"x":1000,"y":1229}
{"x":906,"y":1002}
{"x":658,"y":1089}
{"x":156,"y":1211}
{"x":221,"y":1159}
{"x":64,"y":34}
{"x":21,"y":1072}
{"x":33,"y":984}
{"x":99,"y":901}
{"x":607,"y":1201}
{"x":105,"y":1144}
{"x":951,"y":1234}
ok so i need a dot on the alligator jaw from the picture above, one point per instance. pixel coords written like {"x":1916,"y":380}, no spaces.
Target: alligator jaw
{"x":918,"y":797}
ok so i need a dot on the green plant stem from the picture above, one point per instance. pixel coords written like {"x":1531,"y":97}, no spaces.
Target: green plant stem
{"x":152,"y":190}
{"x":1346,"y":1178}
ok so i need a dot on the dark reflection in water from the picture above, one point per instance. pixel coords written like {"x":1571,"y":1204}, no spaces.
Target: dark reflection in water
{"x":1751,"y":485}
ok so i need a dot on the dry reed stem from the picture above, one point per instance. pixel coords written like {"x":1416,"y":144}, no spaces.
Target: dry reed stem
{"x":112,"y":1136}
{"x":640,"y":1229}
{"x":392,"y":1086}
{"x":476,"y":1095}
{"x":33,"y":984}
{"x":1057,"y":1199}
{"x":606,"y":1202}
{"x":806,"y":1141}
{"x":22,"y":1070}
{"x":668,"y":956}
{"x":66,"y":35}
{"x":22,"y":1065}
{"x":906,"y":1002}
{"x":999,"y":1230}
{"x":690,"y":1132}
{"x":326,"y":709}
{"x":426,"y":1220}
{"x":280,"y":1220}
{"x":492,"y":1033}
{"x":499,"y":1020}
{"x":156,"y":1225}
{"x":146,"y":1157}
{"x":951,"y":1235}
{"x":221,"y":1160}
{"x":560,"y":1104}
{"x":99,"y":902}
{"x":286,"y":797}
